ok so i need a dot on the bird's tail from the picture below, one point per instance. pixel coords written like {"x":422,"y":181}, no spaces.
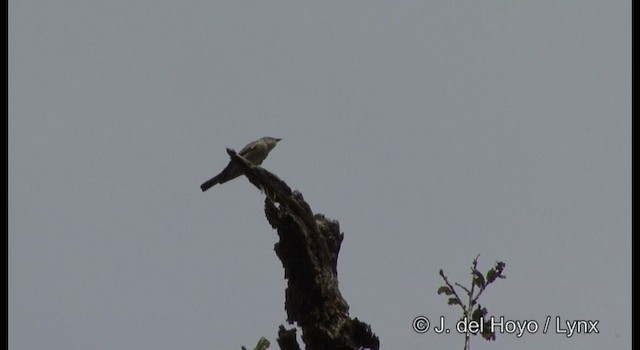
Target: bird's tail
{"x":210,"y":183}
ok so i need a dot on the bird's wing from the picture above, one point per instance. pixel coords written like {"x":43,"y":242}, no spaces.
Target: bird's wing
{"x":252,"y":149}
{"x":246,"y":149}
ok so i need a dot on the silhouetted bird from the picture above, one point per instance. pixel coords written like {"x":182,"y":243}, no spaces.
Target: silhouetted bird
{"x":255,"y":152}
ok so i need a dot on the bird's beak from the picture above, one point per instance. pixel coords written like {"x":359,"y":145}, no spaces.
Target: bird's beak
{"x":278,"y":140}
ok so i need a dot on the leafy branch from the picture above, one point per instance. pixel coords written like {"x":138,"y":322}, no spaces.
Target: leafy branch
{"x":472,"y":311}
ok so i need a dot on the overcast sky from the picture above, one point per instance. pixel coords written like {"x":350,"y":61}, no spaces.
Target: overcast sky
{"x":433,"y":131}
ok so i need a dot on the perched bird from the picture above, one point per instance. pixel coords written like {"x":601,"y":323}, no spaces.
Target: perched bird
{"x":255,"y":152}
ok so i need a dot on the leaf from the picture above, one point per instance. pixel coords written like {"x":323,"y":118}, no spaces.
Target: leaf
{"x":477,"y":313}
{"x":491,"y":275}
{"x":487,"y":334}
{"x":444,"y":289}
{"x":478,"y":279}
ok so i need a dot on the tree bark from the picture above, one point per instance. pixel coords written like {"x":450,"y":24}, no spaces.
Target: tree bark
{"x":308,"y":249}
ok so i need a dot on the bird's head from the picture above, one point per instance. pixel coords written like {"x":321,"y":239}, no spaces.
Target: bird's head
{"x":271,"y":141}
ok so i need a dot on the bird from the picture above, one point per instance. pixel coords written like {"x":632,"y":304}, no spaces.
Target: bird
{"x":255,"y":152}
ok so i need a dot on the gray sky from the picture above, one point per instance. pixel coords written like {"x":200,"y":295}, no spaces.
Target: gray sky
{"x":433,"y":131}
